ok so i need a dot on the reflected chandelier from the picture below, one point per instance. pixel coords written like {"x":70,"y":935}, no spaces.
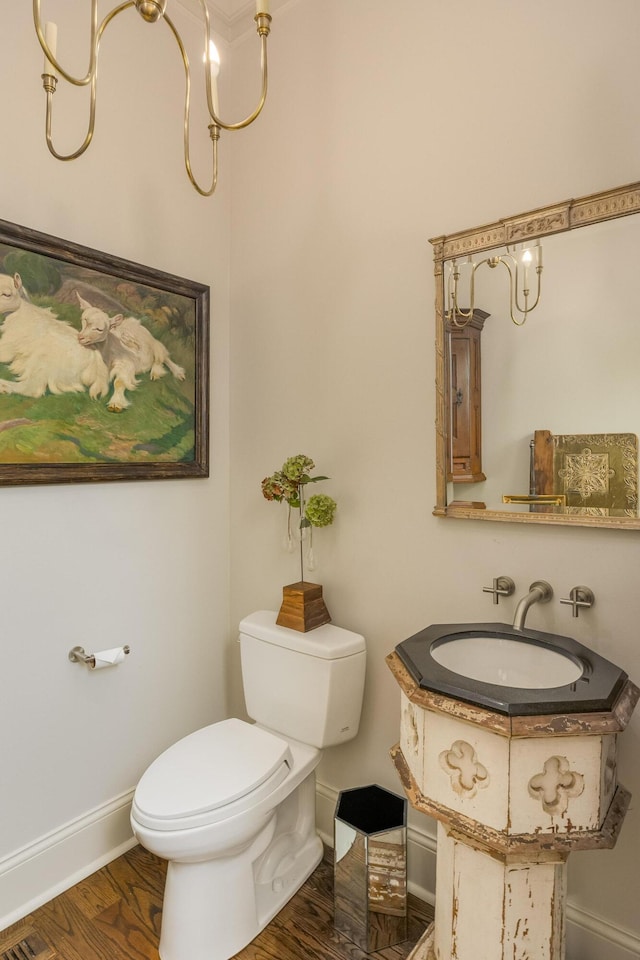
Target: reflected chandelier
{"x":519,"y":270}
{"x":151,"y":11}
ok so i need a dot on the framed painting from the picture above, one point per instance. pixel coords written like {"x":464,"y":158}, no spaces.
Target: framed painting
{"x":104,"y":366}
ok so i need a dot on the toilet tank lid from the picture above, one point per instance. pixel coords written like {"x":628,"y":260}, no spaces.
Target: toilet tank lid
{"x":327,"y":642}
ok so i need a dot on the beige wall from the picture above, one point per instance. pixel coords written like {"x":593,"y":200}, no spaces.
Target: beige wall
{"x":387,"y":125}
{"x":105,"y":564}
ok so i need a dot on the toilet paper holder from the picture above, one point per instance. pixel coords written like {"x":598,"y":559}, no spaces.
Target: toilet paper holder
{"x":78,"y":655}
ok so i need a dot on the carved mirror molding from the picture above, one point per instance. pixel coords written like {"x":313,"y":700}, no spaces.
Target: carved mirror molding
{"x":537,"y":224}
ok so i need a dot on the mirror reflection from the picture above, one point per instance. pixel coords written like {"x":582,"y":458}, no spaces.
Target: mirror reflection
{"x":539,"y":392}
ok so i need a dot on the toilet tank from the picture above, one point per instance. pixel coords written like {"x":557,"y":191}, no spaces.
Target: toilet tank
{"x":307,"y":686}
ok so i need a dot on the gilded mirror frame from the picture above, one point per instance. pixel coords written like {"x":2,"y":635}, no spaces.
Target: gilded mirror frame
{"x":536,"y":224}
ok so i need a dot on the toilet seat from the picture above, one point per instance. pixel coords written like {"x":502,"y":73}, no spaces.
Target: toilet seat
{"x":210,"y":775}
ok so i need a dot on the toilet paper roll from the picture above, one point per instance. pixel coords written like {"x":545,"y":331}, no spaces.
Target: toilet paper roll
{"x":109,"y":658}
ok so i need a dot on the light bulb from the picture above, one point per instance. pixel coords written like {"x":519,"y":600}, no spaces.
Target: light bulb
{"x":214,"y":70}
{"x":214,"y":58}
{"x":526,"y":260}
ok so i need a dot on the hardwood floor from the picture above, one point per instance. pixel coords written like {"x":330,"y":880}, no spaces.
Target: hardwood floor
{"x":115,"y":915}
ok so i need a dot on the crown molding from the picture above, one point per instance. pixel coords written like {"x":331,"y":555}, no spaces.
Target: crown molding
{"x":230,"y":19}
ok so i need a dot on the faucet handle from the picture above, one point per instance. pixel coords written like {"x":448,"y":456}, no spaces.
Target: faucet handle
{"x":502,"y":587}
{"x":579,"y":597}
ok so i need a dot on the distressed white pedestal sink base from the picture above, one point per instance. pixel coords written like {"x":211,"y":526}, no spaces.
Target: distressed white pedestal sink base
{"x":513,"y":797}
{"x":512,"y":906}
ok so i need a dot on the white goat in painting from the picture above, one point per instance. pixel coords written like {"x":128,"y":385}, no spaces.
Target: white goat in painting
{"x":127,"y":348}
{"x":42,"y":351}
{"x":12,"y":293}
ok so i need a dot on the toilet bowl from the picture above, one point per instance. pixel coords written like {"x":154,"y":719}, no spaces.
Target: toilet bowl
{"x":217,"y":800}
{"x":232,"y":806}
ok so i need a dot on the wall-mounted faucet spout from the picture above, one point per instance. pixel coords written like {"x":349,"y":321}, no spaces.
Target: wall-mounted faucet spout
{"x":539,"y":592}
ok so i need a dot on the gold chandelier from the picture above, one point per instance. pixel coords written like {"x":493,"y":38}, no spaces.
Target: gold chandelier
{"x":518,"y":267}
{"x":151,"y":11}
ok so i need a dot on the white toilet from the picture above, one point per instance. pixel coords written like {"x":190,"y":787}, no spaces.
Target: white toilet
{"x":232,"y":806}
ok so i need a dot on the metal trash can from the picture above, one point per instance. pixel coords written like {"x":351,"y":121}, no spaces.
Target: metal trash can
{"x":370,"y":867}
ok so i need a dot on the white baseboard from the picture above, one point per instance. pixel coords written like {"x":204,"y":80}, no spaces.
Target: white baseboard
{"x":588,"y":937}
{"x":594,"y":938}
{"x":45,"y":868}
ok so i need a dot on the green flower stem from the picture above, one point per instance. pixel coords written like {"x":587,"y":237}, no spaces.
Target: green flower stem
{"x":301,"y":491}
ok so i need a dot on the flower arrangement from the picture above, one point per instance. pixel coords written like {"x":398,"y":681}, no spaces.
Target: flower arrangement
{"x":318,"y":510}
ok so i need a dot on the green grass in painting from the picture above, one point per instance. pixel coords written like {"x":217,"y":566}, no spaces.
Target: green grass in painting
{"x":73,"y":428}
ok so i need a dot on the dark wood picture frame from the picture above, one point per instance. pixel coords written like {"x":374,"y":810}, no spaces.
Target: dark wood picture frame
{"x":68,"y":434}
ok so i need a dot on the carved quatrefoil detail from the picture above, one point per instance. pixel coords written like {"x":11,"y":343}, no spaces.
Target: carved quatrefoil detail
{"x":466,"y":773}
{"x":556,"y":785}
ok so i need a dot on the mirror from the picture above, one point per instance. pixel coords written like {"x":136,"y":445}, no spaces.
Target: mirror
{"x":539,"y":422}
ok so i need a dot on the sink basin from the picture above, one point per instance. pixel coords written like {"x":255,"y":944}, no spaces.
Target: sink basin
{"x":517,"y":672}
{"x":507,"y":662}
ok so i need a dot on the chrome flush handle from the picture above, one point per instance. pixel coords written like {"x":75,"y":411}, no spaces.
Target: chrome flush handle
{"x":502,"y":587}
{"x":579,"y":598}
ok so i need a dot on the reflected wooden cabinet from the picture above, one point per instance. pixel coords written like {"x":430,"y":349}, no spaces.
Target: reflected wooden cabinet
{"x":465,"y":458}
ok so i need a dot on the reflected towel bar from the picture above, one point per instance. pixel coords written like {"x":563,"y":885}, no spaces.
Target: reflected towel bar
{"x":550,"y":499}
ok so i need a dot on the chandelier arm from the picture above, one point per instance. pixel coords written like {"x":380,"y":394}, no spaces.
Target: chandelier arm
{"x":537,"y":300}
{"x":49,"y":83}
{"x":528,"y":308}
{"x":509,"y":263}
{"x":263,"y":21}
{"x":453,"y":294}
{"x":214,"y":133}
{"x":214,"y":129}
{"x":241,"y":124}
{"x":513,"y":291}
{"x":96,"y":33}
{"x":457,"y":311}
{"x":514,"y":297}
{"x":50,"y":89}
{"x":76,"y":81}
